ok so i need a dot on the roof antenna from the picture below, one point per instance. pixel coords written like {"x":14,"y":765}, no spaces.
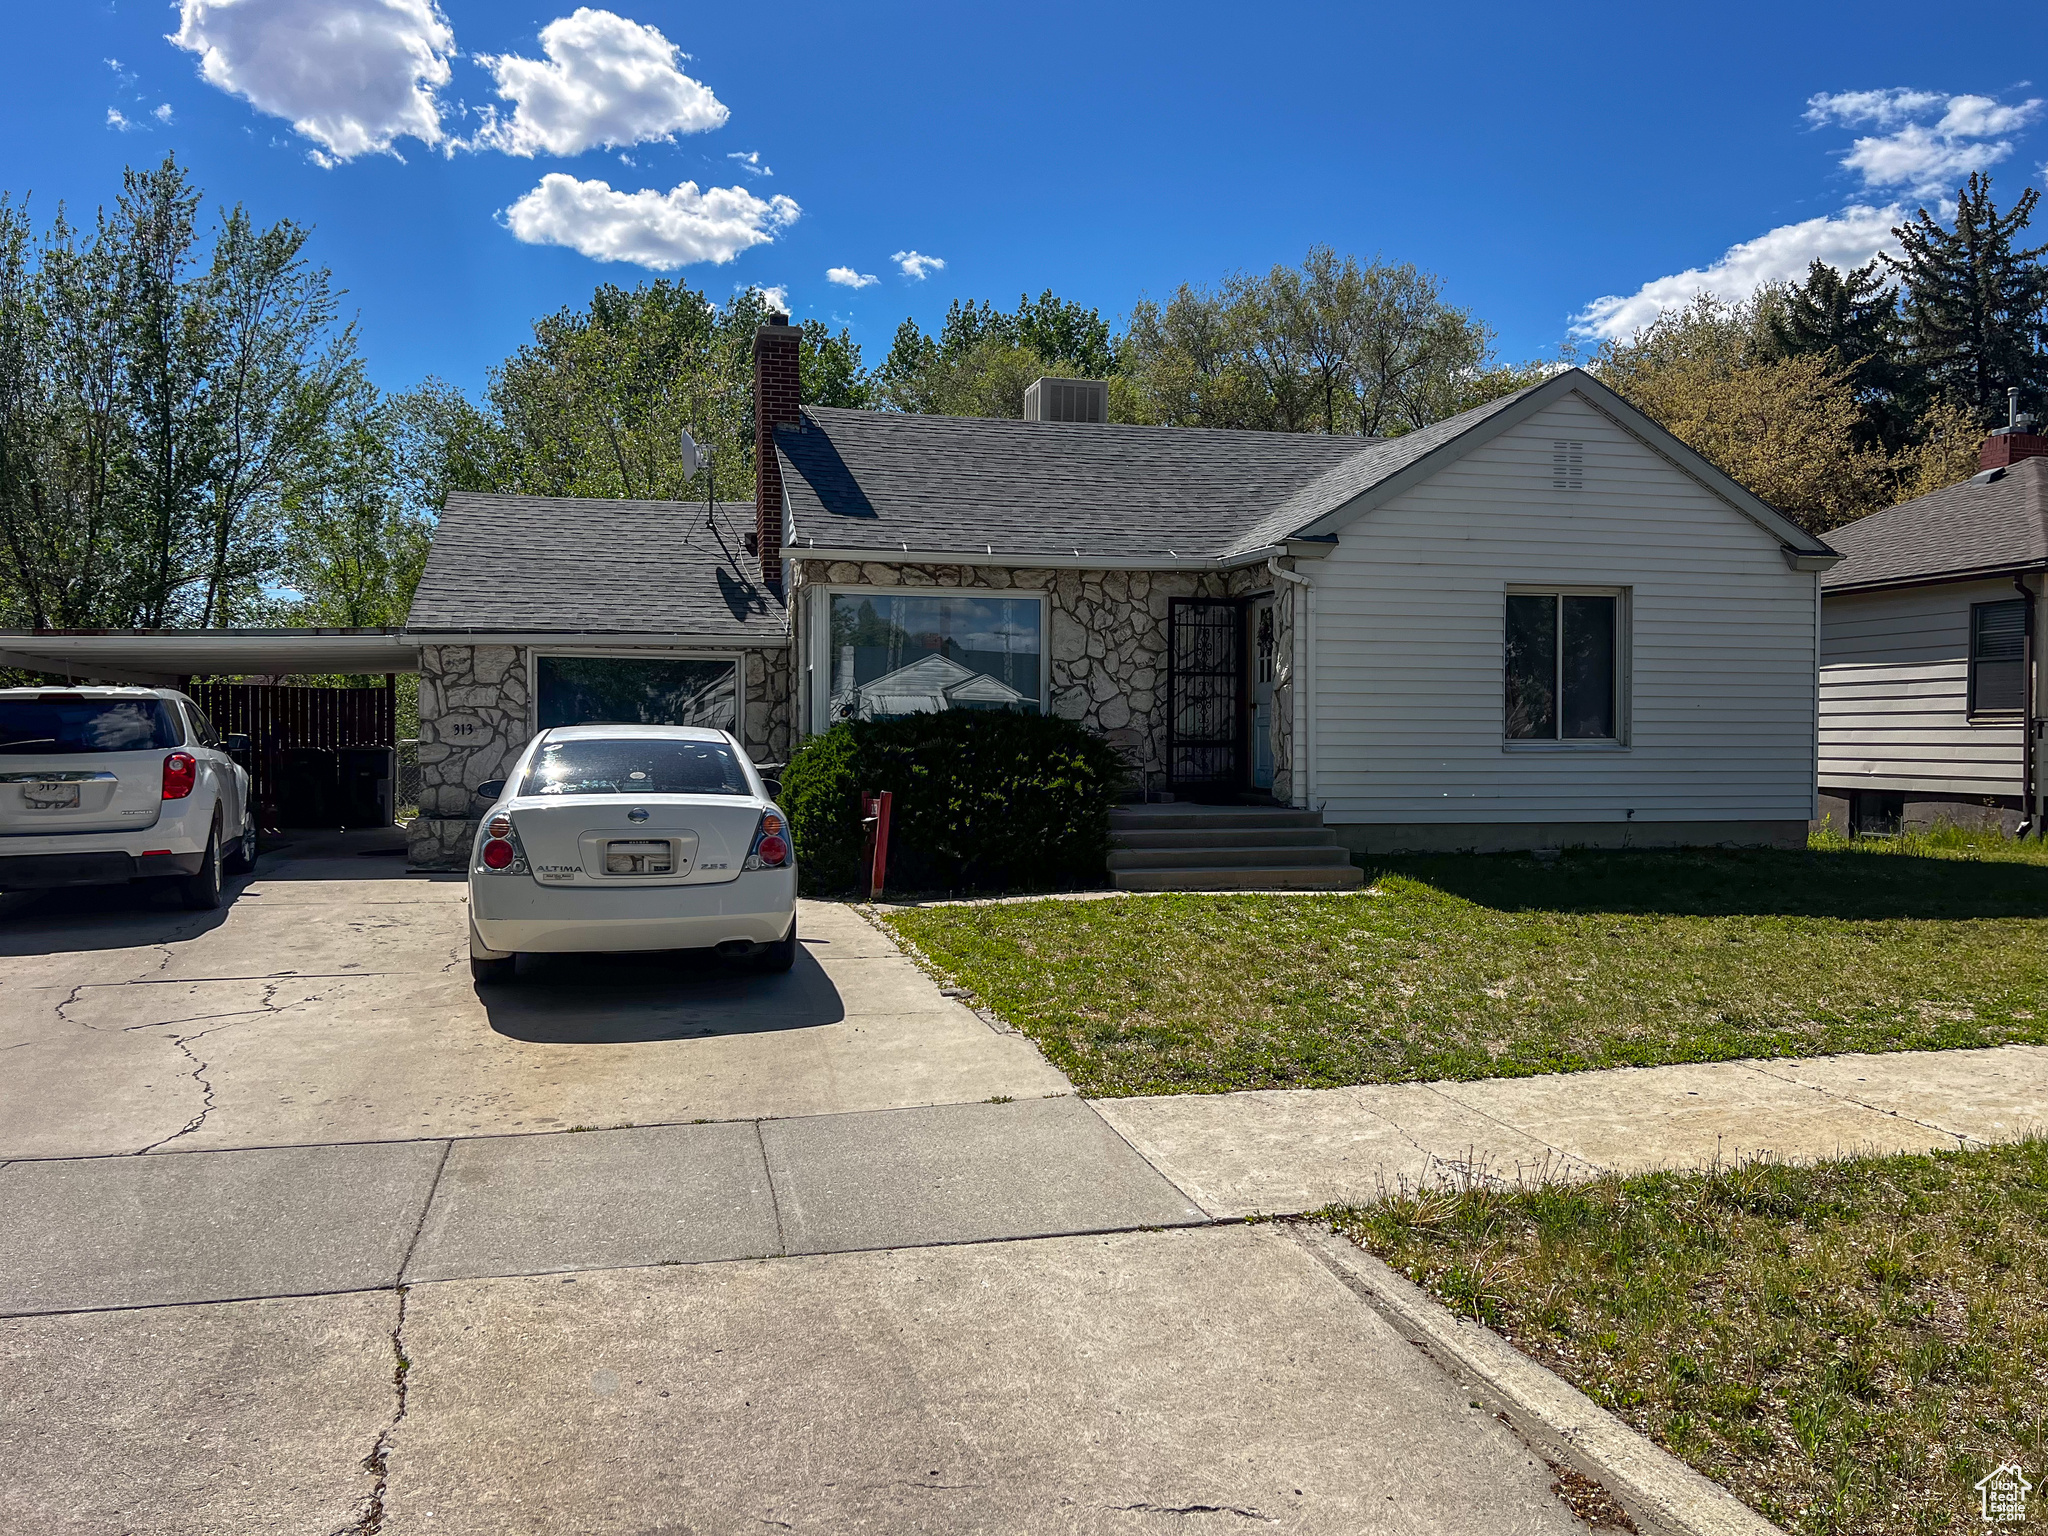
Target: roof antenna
{"x":2012,"y":408}
{"x":697,"y":461}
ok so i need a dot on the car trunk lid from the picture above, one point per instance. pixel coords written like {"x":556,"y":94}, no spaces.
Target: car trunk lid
{"x":615,"y":840}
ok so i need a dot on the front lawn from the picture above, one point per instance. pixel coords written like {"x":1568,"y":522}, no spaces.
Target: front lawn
{"x":1469,"y":967}
{"x":1847,"y":1347}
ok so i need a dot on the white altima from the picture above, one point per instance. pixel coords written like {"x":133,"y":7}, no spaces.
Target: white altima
{"x":631,"y":837}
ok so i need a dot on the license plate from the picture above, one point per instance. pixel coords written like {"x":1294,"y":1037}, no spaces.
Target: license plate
{"x":639,"y":859}
{"x":49,"y":797}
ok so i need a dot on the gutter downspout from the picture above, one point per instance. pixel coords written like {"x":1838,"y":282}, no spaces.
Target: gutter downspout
{"x":2030,"y":819}
{"x":1302,"y":790}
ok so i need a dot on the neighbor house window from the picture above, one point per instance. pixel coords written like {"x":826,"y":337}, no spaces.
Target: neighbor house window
{"x":636,"y":690}
{"x":1563,"y":666}
{"x":916,"y":653}
{"x":1998,"y":657}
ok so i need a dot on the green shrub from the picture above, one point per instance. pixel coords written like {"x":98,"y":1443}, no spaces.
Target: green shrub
{"x":982,"y":800}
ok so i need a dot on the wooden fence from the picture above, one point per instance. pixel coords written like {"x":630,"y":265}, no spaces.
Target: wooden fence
{"x":279,"y":719}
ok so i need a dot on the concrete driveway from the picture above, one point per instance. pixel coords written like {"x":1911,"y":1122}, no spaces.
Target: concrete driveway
{"x":298,"y":1233}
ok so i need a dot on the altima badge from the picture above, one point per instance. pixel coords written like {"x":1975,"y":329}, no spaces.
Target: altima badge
{"x":636,"y":814}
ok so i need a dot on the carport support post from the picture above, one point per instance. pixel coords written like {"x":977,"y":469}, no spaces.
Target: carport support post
{"x":875,"y":817}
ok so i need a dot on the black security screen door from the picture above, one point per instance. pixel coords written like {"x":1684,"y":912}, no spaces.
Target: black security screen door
{"x":1205,"y":694}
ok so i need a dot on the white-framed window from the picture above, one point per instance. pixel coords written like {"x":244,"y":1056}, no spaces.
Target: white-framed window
{"x":1565,"y":667}
{"x":878,"y":652}
{"x":1998,"y":658}
{"x":637,"y":688}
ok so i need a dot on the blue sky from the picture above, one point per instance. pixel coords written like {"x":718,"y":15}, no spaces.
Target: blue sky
{"x":1558,"y":166}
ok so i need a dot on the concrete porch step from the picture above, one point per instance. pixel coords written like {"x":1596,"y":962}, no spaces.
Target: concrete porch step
{"x":1318,"y":877}
{"x":1178,"y":817}
{"x":1222,"y":837}
{"x":1267,"y":857}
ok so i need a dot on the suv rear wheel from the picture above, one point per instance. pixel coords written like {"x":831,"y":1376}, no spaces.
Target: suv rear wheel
{"x":201,"y":892}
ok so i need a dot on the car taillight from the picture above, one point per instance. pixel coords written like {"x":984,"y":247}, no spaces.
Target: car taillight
{"x":500,"y":852}
{"x":771,"y":844}
{"x":181,"y":772}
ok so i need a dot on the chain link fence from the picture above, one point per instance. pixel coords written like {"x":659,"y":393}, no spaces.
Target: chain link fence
{"x":406,"y":792}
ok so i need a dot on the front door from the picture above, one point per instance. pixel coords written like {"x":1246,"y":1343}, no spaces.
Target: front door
{"x":1263,"y":642}
{"x":1205,"y":707}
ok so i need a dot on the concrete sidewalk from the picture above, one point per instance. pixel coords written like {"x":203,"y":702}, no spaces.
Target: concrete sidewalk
{"x":1288,"y":1151}
{"x":83,"y":1234}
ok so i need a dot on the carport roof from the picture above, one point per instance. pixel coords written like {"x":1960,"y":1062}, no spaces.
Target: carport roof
{"x":158,"y":657}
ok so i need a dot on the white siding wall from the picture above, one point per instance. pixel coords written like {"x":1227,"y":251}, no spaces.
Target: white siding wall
{"x":1410,"y":617}
{"x":1895,"y":695}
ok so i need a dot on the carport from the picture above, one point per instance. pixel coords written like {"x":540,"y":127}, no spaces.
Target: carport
{"x":318,"y":756}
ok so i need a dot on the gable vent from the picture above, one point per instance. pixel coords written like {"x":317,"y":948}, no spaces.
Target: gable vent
{"x":1567,"y":466}
{"x":1067,"y":400}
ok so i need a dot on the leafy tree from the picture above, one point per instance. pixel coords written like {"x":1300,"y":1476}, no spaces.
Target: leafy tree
{"x":1331,"y":346}
{"x":983,"y":358}
{"x":157,"y":394}
{"x":596,"y":403}
{"x":356,"y":534}
{"x":1975,"y":312}
{"x":1855,"y":316}
{"x":1784,"y":427}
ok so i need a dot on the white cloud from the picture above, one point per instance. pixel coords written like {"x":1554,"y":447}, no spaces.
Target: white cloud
{"x":163,"y":113}
{"x":354,"y":76}
{"x":662,"y":230}
{"x":750,"y":162}
{"x":1883,"y":108}
{"x":606,"y":81}
{"x":115,"y":119}
{"x":1934,"y":139}
{"x":847,"y":277}
{"x":1844,"y":240}
{"x":916,"y":266}
{"x":775,"y":298}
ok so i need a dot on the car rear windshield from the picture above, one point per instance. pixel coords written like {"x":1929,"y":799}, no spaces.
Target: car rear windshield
{"x":636,"y":766}
{"x":32,"y":727}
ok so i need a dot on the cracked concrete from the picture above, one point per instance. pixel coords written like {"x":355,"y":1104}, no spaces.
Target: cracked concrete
{"x":335,"y":997}
{"x":1148,"y":1382}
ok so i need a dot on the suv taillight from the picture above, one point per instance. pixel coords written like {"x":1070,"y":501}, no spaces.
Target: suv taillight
{"x":181,"y":773}
{"x":771,"y":843}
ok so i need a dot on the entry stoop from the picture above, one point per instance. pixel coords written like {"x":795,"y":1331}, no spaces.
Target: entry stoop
{"x":1181,"y":847}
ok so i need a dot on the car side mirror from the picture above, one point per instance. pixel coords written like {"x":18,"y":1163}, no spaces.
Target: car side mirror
{"x":490,"y":789}
{"x":774,"y":788}
{"x":235,"y":744}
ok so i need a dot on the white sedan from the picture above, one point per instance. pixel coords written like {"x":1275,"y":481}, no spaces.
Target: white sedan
{"x":631,"y":837}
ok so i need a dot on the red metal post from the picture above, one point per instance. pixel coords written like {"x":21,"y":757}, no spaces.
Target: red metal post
{"x":875,"y":817}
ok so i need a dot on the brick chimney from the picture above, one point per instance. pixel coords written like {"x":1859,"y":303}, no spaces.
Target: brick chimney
{"x":776,"y":393}
{"x":2014,"y":441}
{"x":2003,"y":448}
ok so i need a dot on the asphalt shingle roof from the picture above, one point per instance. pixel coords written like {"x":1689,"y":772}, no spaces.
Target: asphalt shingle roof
{"x":884,"y":482}
{"x":1962,"y":529}
{"x":573,"y":565}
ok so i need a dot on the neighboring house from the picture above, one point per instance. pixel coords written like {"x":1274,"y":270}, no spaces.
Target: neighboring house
{"x":1929,"y":696}
{"x":1545,"y":621}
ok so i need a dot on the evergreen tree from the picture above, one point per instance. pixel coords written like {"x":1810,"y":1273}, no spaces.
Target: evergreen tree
{"x":1854,"y":315}
{"x":1976,"y":307}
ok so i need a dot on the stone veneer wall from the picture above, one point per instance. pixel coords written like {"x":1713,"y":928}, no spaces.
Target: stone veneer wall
{"x":476,"y":716}
{"x":1108,"y":639}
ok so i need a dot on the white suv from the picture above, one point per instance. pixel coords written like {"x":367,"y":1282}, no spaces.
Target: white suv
{"x":103,"y":785}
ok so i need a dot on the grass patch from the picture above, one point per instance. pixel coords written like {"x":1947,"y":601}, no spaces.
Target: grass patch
{"x":1846,"y":1346}
{"x":1470,"y":967}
